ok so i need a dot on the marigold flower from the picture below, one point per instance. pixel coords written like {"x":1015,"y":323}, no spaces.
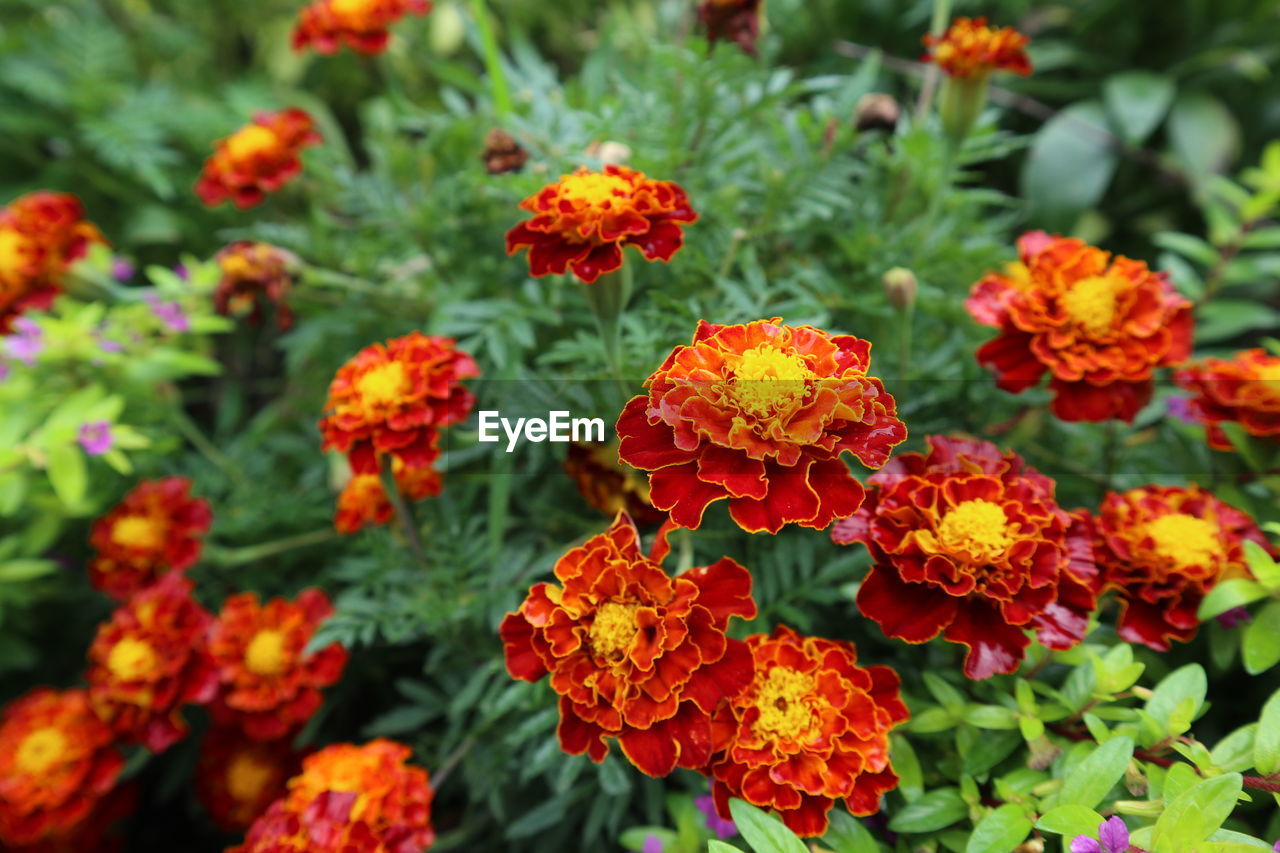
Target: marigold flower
{"x":633,"y":652}
{"x":737,"y":21}
{"x":257,"y":159}
{"x":582,"y":222}
{"x":392,"y":398}
{"x":812,"y":728}
{"x":1161,"y":549}
{"x":759,"y":415}
{"x":41,"y":235}
{"x":149,"y":661}
{"x":269,"y":686}
{"x":154,"y":530}
{"x":326,"y":25}
{"x":57,"y":762}
{"x":971,"y":48}
{"x":970,"y":543}
{"x":254,"y":274}
{"x":1244,"y":389}
{"x":364,"y":499}
{"x":1099,"y":324}
{"x":237,"y":778}
{"x":608,"y":485}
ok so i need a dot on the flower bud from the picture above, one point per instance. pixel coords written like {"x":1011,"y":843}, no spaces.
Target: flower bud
{"x":900,"y":287}
{"x":609,"y":153}
{"x":448,"y":30}
{"x":502,"y":153}
{"x":877,"y":111}
{"x":1135,"y":781}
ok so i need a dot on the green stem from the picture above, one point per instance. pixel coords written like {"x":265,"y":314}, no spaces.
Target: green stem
{"x":252,"y":553}
{"x":492,"y":59}
{"x":906,"y":316}
{"x":937,"y":26}
{"x":607,"y":298}
{"x":403,"y":513}
{"x":197,"y":439}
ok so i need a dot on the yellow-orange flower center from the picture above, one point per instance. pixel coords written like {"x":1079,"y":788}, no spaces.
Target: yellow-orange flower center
{"x":783,"y":702}
{"x":594,"y":190}
{"x":40,"y":750}
{"x":1185,"y":540}
{"x":383,"y":385}
{"x":143,"y":532}
{"x":247,"y":776}
{"x":266,"y":653}
{"x":613,"y":629}
{"x":767,"y":380}
{"x":130,"y":659}
{"x":977,"y":527}
{"x":1091,"y":303}
{"x":250,"y":141}
{"x":1269,"y":372}
{"x":12,"y":257}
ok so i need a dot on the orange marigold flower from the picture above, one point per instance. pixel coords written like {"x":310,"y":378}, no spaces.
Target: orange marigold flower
{"x":1161,"y":549}
{"x":254,"y":274}
{"x":759,"y":415}
{"x":1244,"y":389}
{"x":737,"y":21}
{"x":970,"y":543}
{"x":149,"y":661}
{"x":326,"y":25}
{"x":41,"y":235}
{"x":634,"y":653}
{"x":392,"y":398}
{"x":582,"y":222}
{"x":608,"y":485}
{"x":1100,"y":325}
{"x":237,"y":778}
{"x":812,"y":728}
{"x":364,"y":499}
{"x":154,"y":530}
{"x":971,"y":48}
{"x":257,"y":159}
{"x":57,"y":762}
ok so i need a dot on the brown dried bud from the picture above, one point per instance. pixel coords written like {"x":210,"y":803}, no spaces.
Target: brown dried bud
{"x":900,"y":287}
{"x":1135,"y":781}
{"x":502,"y":153}
{"x":877,"y":111}
{"x":737,"y":21}
{"x":1034,"y":845}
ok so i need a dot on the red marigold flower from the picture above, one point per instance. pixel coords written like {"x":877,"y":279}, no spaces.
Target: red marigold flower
{"x":364,"y":499}
{"x":392,"y":398}
{"x":154,"y":530}
{"x":1161,"y":549}
{"x":41,"y":235}
{"x":759,"y":415}
{"x":971,"y":48}
{"x":608,"y":485}
{"x":582,"y":222}
{"x":812,"y":728}
{"x":269,"y":686}
{"x":1100,"y":325}
{"x":634,"y":653}
{"x":326,"y":25}
{"x":149,"y":661}
{"x":970,"y":543}
{"x":237,"y":778}
{"x":257,"y":159}
{"x":737,"y":21}
{"x":254,"y":274}
{"x":1244,"y":389}
{"x":57,"y":762}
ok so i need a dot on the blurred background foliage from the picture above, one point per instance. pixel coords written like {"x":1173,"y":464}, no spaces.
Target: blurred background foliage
{"x":1129,"y":131}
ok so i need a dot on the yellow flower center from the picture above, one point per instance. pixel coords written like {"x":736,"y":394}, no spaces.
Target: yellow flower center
{"x":40,"y":750}
{"x":143,"y":532}
{"x":784,"y":711}
{"x":1185,"y":540}
{"x":383,"y":385}
{"x":12,"y":257}
{"x":266,"y":653}
{"x":130,"y":659}
{"x":767,"y":380}
{"x":247,"y":776}
{"x":250,"y":141}
{"x":978,"y":527}
{"x":613,"y":629}
{"x":1091,"y":303}
{"x":594,"y":189}
{"x":1269,"y":372}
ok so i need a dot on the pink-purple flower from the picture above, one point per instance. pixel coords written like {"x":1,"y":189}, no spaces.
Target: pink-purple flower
{"x":1113,"y":837}
{"x":25,"y":343}
{"x":169,"y":313}
{"x":96,"y":437}
{"x":721,"y":827}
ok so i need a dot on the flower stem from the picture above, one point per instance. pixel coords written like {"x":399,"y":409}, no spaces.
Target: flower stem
{"x":252,"y":553}
{"x":905,"y":318}
{"x":492,"y":59}
{"x":401,"y":507}
{"x":937,"y":26}
{"x":607,"y":298}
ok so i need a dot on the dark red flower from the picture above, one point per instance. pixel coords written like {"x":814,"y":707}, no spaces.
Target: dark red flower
{"x":1244,"y":389}
{"x":41,"y":235}
{"x":259,"y":158}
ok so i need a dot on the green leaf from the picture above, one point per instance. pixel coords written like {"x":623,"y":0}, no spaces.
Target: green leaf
{"x":1137,"y":101}
{"x":1196,"y":813}
{"x":1229,"y":595}
{"x":1070,"y":165}
{"x":846,"y":834}
{"x":907,"y":766}
{"x":67,"y":474}
{"x":1226,"y":318}
{"x":1002,"y":829}
{"x":12,"y":571}
{"x":1070,"y":820}
{"x":1261,"y":647}
{"x":1263,"y":567}
{"x":764,"y":832}
{"x":1266,"y":746}
{"x":1091,"y":779}
{"x":714,"y":846}
{"x":1234,"y":753}
{"x":1188,"y":246}
{"x":934,"y":810}
{"x":991,"y":717}
{"x":1203,"y":134}
{"x":1185,"y":682}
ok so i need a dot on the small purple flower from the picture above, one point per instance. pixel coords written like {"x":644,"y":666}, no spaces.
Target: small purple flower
{"x":169,"y":313}
{"x":1233,"y":617}
{"x":4,"y":371}
{"x":122,"y":269}
{"x":721,"y":827}
{"x":106,"y":344}
{"x":25,"y":343}
{"x":96,"y":438}
{"x":1180,"y":408}
{"x":652,"y":844}
{"x":1277,"y":847}
{"x":181,"y":272}
{"x":1113,"y":835}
